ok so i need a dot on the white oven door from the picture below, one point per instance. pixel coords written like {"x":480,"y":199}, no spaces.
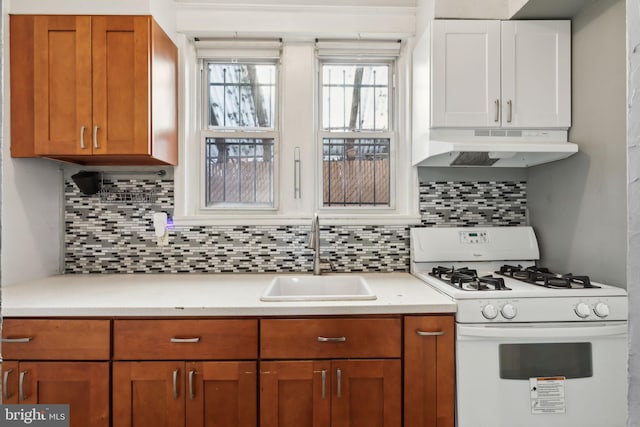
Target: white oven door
{"x":542,"y":375}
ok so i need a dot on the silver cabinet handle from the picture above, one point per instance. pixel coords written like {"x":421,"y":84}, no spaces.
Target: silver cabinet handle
{"x":21,"y":395}
{"x":332,"y":339}
{"x":192,"y":393}
{"x":324,"y":384}
{"x":497,"y":104}
{"x":95,"y":137}
{"x":175,"y":384}
{"x":429,"y":334}
{"x":17,"y":340}
{"x":510,"y":111}
{"x":5,"y":384}
{"x":339,"y":378}
{"x":82,"y":146}
{"x":185,"y":340}
{"x":296,"y":173}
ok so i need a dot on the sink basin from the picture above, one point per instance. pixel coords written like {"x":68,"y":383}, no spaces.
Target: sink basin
{"x":318,"y":288}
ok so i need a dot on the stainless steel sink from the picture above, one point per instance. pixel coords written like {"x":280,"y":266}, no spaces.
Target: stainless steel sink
{"x":318,"y":288}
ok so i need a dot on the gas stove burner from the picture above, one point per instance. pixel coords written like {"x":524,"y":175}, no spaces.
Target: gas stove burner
{"x":467,"y":279}
{"x":542,"y":276}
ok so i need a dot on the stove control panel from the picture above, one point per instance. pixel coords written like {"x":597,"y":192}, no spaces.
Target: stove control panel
{"x":476,"y":237}
{"x":521,"y":310}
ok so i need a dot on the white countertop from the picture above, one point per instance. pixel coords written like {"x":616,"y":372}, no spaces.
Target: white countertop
{"x":155,"y":295}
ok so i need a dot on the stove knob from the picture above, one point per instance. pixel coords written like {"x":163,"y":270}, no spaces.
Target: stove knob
{"x":582,"y":310}
{"x":508,"y":311}
{"x":601,"y":310}
{"x":489,"y":311}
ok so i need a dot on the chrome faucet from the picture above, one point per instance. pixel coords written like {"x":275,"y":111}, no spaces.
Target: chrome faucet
{"x":314,"y":243}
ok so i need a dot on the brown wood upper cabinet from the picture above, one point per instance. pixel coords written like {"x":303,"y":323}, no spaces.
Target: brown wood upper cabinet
{"x":93,"y":90}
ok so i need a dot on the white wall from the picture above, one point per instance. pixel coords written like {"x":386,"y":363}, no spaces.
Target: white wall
{"x":633,"y":179}
{"x":578,"y":205}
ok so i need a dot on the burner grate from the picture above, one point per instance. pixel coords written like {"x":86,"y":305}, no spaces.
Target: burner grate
{"x":542,"y":276}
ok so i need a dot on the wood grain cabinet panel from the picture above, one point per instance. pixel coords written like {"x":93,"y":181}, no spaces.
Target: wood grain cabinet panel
{"x":429,"y":371}
{"x":93,"y":89}
{"x":336,"y":393}
{"x":330,"y":338}
{"x":46,"y":361}
{"x":56,"y":339}
{"x":169,"y":372}
{"x":197,"y":339}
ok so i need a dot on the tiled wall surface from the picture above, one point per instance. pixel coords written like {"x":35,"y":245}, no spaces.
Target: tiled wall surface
{"x":108,"y":237}
{"x":462,"y":204}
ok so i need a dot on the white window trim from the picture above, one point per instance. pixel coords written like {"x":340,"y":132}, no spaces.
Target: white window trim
{"x":188,"y":183}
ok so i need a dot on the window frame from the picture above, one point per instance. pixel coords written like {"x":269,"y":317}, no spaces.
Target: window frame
{"x":206,"y":131}
{"x":298,"y":126}
{"x":390,"y":134}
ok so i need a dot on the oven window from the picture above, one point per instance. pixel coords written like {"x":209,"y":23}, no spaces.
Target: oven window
{"x":524,"y":361}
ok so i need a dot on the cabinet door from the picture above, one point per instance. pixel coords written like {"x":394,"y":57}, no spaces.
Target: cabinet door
{"x":121,"y":107}
{"x":429,"y":371}
{"x":84,"y":386}
{"x":295,"y":394}
{"x":148,"y":394}
{"x":536,"y":74}
{"x":221,"y":394}
{"x":465,"y":79}
{"x":366,"y":393}
{"x":62,"y":85}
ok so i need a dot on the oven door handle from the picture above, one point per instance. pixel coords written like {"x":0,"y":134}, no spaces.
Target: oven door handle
{"x":580,"y":330}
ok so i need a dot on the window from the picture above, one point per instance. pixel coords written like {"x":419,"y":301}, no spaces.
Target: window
{"x":240,"y":133}
{"x":356,"y":133}
{"x":276,"y":131}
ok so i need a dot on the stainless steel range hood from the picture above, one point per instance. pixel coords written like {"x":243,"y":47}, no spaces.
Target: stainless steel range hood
{"x":491,"y":147}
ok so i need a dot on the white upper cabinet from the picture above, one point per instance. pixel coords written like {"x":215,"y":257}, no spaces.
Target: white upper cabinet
{"x":511,"y":74}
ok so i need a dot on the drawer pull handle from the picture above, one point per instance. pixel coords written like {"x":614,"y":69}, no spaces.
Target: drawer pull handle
{"x":185,"y":340}
{"x":5,"y":384}
{"x":192,"y":393}
{"x":17,"y":340}
{"x":324,"y":384}
{"x":332,"y":339}
{"x":339,"y":377}
{"x":21,"y":395}
{"x":175,"y":384}
{"x":430,"y":334}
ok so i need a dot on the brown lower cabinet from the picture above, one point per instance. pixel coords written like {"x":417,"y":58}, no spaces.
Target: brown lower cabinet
{"x":184,"y":394}
{"x":334,"y":371}
{"x":331,"y":393}
{"x":429,"y":371}
{"x":58,"y":361}
{"x":84,"y":386}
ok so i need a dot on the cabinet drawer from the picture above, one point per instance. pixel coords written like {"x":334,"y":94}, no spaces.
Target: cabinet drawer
{"x":55,"y":339}
{"x":330,"y":338}
{"x":195,"y":339}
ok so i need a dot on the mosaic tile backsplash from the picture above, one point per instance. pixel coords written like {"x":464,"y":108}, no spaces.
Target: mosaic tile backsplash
{"x":116,"y":236}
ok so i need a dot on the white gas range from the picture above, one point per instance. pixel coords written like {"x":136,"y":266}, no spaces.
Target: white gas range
{"x":532,"y":347}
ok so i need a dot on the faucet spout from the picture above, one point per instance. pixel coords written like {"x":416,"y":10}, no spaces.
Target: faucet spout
{"x":314,"y":243}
